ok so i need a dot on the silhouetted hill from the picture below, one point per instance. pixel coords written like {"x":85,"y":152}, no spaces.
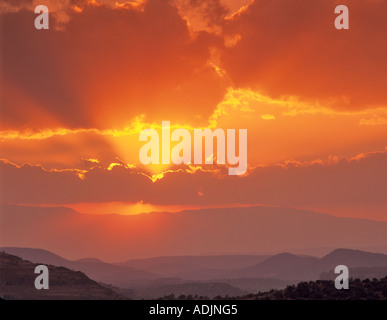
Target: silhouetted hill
{"x":361,"y":264}
{"x":134,"y":272}
{"x":204,"y":289}
{"x":194,"y":267}
{"x":352,"y":259}
{"x":325,"y":290}
{"x":283,"y":266}
{"x":287,"y":266}
{"x":358,"y":273}
{"x":215,"y":275}
{"x":37,"y":255}
{"x":257,"y":284}
{"x":95,"y":269}
{"x":17,"y":280}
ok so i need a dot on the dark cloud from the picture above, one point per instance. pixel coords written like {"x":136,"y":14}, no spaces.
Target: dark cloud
{"x":104,"y":67}
{"x":292,"y":48}
{"x":361,"y":181}
{"x":107,"y":65}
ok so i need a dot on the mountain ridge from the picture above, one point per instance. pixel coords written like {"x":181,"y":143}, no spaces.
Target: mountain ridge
{"x":17,"y":279}
{"x":216,"y":231}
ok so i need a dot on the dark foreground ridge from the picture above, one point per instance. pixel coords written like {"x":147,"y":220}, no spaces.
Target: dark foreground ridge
{"x":17,"y":280}
{"x":325,"y":290}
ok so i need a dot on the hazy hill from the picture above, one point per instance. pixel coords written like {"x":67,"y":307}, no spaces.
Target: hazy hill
{"x":94,"y":268}
{"x":352,"y":259}
{"x":194,"y":267}
{"x":287,"y":266}
{"x":284,"y":266}
{"x":142,"y":271}
{"x":187,"y":275}
{"x":361,"y":264}
{"x":38,"y":255}
{"x":254,"y":285}
{"x":205,"y":289}
{"x":220,"y":231}
{"x":359,"y":273}
{"x":17,"y":279}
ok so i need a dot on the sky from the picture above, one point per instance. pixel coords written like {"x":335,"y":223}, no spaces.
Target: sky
{"x":75,"y":98}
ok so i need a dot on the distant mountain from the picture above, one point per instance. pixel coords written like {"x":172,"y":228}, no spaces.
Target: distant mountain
{"x":220,"y":231}
{"x":204,"y":289}
{"x":17,"y":280}
{"x":287,"y":266}
{"x":352,"y":259}
{"x":190,"y":275}
{"x":38,"y":256}
{"x":94,"y":268}
{"x":361,"y":264}
{"x":142,"y":271}
{"x":254,"y":285}
{"x":194,"y":267}
{"x":284,"y":266}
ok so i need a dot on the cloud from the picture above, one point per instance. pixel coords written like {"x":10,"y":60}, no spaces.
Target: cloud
{"x":84,"y":89}
{"x":90,"y":74}
{"x":205,"y":15}
{"x":291,"y":48}
{"x":105,"y":67}
{"x":278,"y":130}
{"x":359,"y":181}
{"x":60,"y":10}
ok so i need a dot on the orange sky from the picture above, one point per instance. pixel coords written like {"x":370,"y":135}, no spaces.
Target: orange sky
{"x":75,"y":98}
